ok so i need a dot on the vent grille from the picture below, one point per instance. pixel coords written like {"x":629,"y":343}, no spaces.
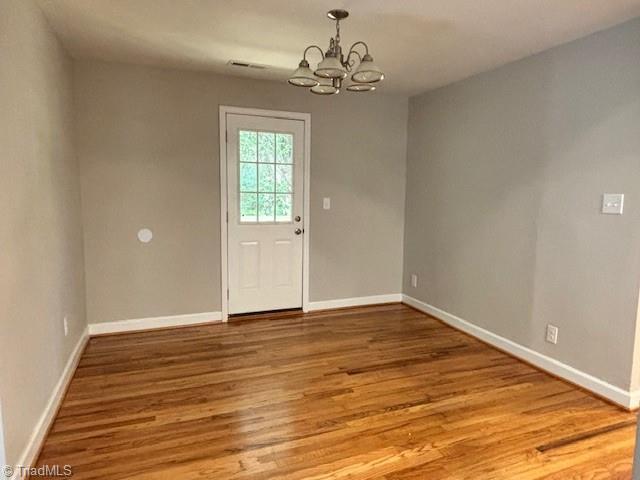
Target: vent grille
{"x":241,"y":64}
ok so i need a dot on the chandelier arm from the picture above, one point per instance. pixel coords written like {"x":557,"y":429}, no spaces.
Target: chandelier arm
{"x":304,"y":56}
{"x":349,"y":62}
{"x":366,"y":47}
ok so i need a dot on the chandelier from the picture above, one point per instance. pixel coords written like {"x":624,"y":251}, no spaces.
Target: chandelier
{"x":334,"y":68}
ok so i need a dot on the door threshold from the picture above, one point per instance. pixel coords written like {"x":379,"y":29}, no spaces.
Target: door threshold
{"x":266,"y":315}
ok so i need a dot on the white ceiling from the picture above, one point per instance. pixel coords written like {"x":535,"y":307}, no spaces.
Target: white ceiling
{"x":421,"y":44}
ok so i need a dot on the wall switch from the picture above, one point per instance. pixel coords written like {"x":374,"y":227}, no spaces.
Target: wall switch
{"x":326,"y":203}
{"x":65,"y":325}
{"x":612,"y":203}
{"x":552,"y":334}
{"x":414,"y":280}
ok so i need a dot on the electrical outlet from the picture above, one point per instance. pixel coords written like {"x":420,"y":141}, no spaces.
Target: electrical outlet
{"x":612,"y":203}
{"x":65,"y":325}
{"x":414,"y":280}
{"x":326,"y":203}
{"x":552,"y":334}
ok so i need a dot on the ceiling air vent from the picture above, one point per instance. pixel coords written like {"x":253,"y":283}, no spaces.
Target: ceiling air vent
{"x":239,"y":63}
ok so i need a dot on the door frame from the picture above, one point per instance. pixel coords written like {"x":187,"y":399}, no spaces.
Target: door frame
{"x":224,"y":250}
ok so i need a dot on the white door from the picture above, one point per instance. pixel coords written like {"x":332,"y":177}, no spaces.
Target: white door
{"x":265,"y":181}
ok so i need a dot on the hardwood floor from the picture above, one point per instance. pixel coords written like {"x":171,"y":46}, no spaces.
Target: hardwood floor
{"x":379,"y":392}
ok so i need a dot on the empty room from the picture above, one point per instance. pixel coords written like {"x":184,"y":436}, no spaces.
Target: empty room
{"x":289,"y":240}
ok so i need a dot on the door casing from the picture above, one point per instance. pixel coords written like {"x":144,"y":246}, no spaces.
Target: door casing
{"x":224,"y":268}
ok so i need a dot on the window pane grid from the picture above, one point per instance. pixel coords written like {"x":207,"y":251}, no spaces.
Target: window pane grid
{"x":265,"y":177}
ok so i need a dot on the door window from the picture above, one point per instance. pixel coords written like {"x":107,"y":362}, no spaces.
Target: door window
{"x":265,"y":176}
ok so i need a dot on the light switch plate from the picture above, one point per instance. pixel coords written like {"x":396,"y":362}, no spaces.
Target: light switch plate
{"x":612,"y":203}
{"x":326,"y":203}
{"x":552,"y":334}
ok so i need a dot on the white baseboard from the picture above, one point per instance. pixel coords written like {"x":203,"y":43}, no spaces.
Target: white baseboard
{"x":3,"y":454}
{"x":29,"y":454}
{"x":154,"y":322}
{"x":625,"y":398}
{"x":354,"y":302}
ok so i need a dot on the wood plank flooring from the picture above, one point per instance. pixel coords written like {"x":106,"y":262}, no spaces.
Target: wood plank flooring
{"x":379,"y":392}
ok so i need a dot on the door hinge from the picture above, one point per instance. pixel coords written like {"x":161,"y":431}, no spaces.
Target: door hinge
{"x":227,"y":294}
{"x":227,"y":217}
{"x":226,"y":137}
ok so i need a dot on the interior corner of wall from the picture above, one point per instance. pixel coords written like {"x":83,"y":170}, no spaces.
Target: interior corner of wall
{"x":634,"y":381}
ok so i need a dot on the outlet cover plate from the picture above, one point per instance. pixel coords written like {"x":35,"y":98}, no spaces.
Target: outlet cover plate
{"x":612,"y":203}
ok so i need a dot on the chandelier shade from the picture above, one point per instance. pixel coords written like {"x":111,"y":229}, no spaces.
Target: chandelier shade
{"x":368,"y":71}
{"x":325,"y":89}
{"x":331,"y":67}
{"x":334,"y":66}
{"x":361,"y":87}
{"x":303,"y":76}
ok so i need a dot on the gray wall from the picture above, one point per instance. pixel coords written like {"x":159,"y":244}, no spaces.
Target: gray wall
{"x":41,"y":277}
{"x":505,"y":176}
{"x":149,"y":155}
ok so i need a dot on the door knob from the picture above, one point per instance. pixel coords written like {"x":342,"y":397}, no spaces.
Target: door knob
{"x":297,"y":231}
{"x":297,"y":219}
